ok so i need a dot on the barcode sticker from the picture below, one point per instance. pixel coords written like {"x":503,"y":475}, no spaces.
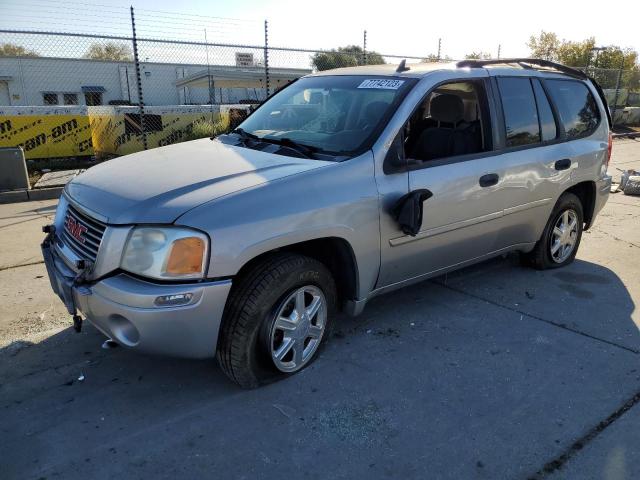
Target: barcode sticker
{"x":382,"y":83}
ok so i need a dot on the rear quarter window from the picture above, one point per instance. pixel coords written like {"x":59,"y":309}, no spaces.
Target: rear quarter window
{"x":578,"y":109}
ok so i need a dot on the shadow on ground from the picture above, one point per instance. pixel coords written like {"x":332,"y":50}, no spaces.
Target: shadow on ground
{"x":487,"y":373}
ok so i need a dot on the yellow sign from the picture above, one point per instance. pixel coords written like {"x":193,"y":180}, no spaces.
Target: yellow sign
{"x":47,"y":136}
{"x":119,"y":133}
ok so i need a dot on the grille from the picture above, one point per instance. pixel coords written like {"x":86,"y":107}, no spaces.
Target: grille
{"x":85,"y":228}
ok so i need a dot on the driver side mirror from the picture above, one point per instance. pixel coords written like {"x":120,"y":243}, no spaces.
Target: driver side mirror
{"x":395,"y":160}
{"x":407,"y":211}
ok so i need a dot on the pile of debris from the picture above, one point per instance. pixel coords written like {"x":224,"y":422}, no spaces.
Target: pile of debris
{"x":629,"y":183}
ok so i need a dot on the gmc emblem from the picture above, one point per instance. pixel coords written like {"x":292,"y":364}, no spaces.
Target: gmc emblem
{"x":75,"y":228}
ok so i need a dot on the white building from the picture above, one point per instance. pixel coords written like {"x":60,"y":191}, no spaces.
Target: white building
{"x":26,"y":81}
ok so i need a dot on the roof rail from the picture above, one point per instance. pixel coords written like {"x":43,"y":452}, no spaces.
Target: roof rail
{"x":525,"y":63}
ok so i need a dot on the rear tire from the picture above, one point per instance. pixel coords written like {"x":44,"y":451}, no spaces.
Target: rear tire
{"x":561,"y":236}
{"x":261,"y":326}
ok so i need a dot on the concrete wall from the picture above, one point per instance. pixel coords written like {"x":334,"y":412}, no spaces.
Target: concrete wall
{"x":28,"y":78}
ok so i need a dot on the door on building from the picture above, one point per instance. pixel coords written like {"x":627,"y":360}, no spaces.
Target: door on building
{"x":5,"y":99}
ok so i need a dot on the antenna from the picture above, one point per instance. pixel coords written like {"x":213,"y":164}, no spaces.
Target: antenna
{"x":206,"y":46}
{"x":403,"y":66}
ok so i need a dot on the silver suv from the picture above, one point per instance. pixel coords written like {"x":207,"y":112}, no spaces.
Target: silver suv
{"x":342,"y":186}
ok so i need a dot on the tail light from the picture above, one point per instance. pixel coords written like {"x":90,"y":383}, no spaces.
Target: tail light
{"x":609,"y":148}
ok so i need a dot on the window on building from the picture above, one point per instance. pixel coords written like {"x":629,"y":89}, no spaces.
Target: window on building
{"x":93,"y":98}
{"x":70,"y":98}
{"x":49,"y":98}
{"x":520,"y":113}
{"x":577,"y":107}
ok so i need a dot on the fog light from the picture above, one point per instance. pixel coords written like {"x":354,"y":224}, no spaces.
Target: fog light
{"x":173,"y":300}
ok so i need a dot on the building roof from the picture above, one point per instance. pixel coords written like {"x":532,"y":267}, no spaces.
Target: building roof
{"x":230,"y":76}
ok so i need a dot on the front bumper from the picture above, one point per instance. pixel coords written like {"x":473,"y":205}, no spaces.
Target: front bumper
{"x":123,"y":308}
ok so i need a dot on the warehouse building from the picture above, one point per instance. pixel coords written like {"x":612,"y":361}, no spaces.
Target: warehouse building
{"x":33,"y":81}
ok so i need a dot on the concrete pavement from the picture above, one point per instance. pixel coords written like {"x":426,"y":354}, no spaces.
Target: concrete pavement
{"x":496,"y":371}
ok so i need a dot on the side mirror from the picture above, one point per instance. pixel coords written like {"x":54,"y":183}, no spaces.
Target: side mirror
{"x":395,"y":160}
{"x":407,"y":211}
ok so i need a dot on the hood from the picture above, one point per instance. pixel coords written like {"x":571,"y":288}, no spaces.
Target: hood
{"x":159,"y":185}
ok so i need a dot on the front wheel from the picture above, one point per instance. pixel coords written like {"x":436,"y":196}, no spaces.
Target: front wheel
{"x":561,"y":237}
{"x":276,"y":319}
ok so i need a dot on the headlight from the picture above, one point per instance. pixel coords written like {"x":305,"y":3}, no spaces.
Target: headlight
{"x":166,"y":253}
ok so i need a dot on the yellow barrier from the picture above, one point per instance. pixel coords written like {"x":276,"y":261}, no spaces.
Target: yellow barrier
{"x":54,"y":132}
{"x":117,"y":130}
{"x":47,"y":135}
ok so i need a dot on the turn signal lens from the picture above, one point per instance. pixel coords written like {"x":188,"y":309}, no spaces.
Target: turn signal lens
{"x":186,"y":257}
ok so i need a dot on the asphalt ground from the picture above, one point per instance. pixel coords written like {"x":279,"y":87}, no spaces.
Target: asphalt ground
{"x":495,"y":371}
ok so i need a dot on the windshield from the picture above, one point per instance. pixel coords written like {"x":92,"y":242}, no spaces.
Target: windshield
{"x":338,"y":115}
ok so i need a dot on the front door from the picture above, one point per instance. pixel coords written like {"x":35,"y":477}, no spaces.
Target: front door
{"x":449,"y":149}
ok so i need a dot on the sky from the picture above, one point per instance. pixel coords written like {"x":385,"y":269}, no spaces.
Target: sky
{"x":408,"y":27}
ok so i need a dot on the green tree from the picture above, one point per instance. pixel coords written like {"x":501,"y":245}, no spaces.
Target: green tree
{"x":545,"y":45}
{"x":349,"y":56}
{"x":432,"y":58}
{"x":575,"y":54}
{"x":13,"y":50}
{"x":116,"y":52}
{"x":478,"y":56}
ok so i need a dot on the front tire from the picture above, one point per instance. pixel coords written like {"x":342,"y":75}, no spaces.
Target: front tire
{"x":561,"y":237}
{"x":276,"y":319}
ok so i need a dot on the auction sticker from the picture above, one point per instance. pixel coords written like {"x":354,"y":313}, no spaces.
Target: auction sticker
{"x":387,"y":84}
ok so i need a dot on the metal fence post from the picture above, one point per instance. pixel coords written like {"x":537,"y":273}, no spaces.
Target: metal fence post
{"x":138,"y":80}
{"x":266,"y":55}
{"x":364,"y":49}
{"x":617,"y":95}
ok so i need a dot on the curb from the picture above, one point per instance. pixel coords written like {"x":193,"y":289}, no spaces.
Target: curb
{"x":16,"y":196}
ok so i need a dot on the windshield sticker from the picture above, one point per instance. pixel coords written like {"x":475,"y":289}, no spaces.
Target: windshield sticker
{"x":382,"y":83}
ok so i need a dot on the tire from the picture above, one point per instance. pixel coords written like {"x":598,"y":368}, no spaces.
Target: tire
{"x":542,"y":257}
{"x":248,"y":335}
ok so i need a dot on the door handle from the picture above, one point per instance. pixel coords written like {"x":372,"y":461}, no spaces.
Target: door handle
{"x":489,"y":180}
{"x":562,"y":164}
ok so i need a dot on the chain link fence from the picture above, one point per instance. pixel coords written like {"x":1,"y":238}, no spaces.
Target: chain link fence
{"x":159,"y":78}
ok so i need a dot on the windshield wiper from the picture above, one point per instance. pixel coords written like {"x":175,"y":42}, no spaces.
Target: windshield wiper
{"x":306,"y":150}
{"x":244,"y":135}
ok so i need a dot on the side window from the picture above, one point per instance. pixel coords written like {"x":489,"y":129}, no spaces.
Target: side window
{"x":577,"y":108}
{"x":452,"y":120}
{"x":520,"y":112}
{"x":547,"y":121}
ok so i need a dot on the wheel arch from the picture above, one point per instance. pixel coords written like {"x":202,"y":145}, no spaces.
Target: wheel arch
{"x":586,"y":192}
{"x":335,"y":253}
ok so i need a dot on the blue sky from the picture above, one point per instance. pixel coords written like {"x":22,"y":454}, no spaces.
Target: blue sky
{"x":410,"y":27}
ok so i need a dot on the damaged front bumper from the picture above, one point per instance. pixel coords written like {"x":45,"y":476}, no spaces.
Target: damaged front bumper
{"x":127,"y":310}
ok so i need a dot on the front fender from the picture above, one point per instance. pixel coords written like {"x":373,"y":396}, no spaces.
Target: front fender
{"x":338,"y":201}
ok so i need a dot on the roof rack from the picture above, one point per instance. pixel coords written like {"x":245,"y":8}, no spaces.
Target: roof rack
{"x":525,"y":63}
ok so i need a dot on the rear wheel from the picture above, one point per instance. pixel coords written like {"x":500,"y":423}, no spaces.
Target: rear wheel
{"x":561,"y":237}
{"x":276,"y":319}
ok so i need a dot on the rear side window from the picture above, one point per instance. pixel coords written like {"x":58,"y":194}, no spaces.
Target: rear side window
{"x":520,"y":112}
{"x":547,"y":121}
{"x":577,"y":108}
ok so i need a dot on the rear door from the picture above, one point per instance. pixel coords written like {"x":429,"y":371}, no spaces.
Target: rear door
{"x":535,"y":163}
{"x":539,"y":160}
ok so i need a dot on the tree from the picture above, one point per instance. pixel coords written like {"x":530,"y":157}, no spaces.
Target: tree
{"x":13,"y":50}
{"x":349,"y":56}
{"x":477,"y":56}
{"x":116,"y":52}
{"x":433,"y":58}
{"x":544,"y":46}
